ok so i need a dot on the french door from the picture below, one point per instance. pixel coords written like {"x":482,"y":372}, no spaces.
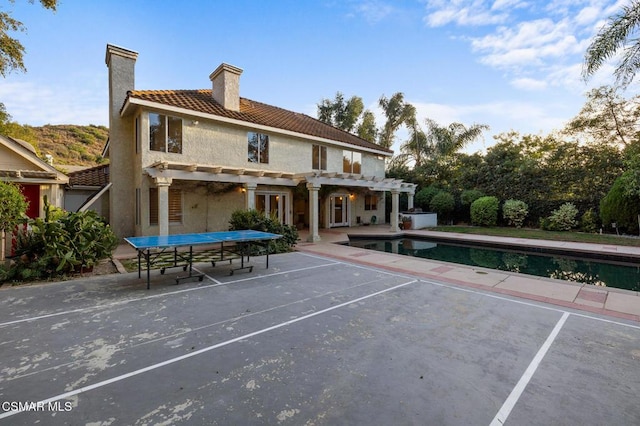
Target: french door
{"x":274,"y":204}
{"x":339,"y":210}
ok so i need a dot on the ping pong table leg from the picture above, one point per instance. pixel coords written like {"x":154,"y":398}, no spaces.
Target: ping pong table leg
{"x":148,"y":256}
{"x":139,"y":265}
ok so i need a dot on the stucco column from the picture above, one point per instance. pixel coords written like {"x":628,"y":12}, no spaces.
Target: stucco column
{"x":163,"y":185}
{"x":250,"y":195}
{"x":313,"y":212}
{"x":410,"y":200}
{"x":395,"y":210}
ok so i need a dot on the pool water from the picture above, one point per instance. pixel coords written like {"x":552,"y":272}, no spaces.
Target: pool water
{"x":565,"y":267}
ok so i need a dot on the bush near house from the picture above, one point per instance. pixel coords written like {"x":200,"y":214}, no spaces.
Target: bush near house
{"x":258,"y":221}
{"x":60,"y":244}
{"x":484,"y":211}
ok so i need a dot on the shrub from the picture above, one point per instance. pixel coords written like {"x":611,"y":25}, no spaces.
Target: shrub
{"x":468,"y":196}
{"x":617,"y":207}
{"x":442,"y":203}
{"x":55,"y":247}
{"x":563,"y":218}
{"x":258,"y":221}
{"x":424,"y":196}
{"x":589,"y":221}
{"x":484,"y":211}
{"x":515,"y":211}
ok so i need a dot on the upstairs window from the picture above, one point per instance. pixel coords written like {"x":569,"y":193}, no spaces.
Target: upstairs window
{"x":258,"y":151}
{"x":351,"y":162}
{"x":165,"y":133}
{"x":319,"y":160}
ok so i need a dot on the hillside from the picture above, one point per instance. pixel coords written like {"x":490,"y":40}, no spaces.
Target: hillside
{"x":70,"y":145}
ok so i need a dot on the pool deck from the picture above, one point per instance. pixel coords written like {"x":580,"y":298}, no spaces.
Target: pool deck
{"x":613,"y":302}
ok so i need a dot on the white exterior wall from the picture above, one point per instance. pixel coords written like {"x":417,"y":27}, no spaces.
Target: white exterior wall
{"x":210,"y":143}
{"x":227,"y":145}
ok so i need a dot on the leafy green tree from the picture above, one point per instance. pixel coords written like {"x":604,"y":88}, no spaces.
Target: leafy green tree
{"x":618,"y":35}
{"x":341,"y":113}
{"x":397,"y":113}
{"x":11,"y":50}
{"x":424,"y":196}
{"x":607,"y":118}
{"x":621,"y":207}
{"x":12,"y":210}
{"x":438,"y":144}
{"x":367,"y":129}
{"x":468,"y":196}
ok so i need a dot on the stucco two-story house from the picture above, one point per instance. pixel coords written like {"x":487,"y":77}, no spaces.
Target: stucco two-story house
{"x":184,"y":160}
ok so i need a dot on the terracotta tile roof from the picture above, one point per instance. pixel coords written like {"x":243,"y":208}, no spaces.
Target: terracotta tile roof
{"x":95,"y":176}
{"x":252,"y":112}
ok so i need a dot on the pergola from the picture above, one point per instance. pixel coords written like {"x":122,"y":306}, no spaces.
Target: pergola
{"x":164,"y":172}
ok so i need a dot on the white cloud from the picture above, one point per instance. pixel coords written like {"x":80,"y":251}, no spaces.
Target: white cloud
{"x":538,"y":45}
{"x":373,"y":11}
{"x":473,"y":13}
{"x":529,"y":84}
{"x":588,"y":16}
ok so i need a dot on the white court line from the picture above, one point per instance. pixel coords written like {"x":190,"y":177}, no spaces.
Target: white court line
{"x":513,"y":397}
{"x":532,"y":304}
{"x":203,"y":350}
{"x":485,"y":293}
{"x":155,"y":296}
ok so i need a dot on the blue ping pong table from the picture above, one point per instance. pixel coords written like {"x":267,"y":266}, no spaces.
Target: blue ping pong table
{"x":161,"y":243}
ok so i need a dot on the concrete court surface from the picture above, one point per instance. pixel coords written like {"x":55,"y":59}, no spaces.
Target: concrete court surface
{"x":310,"y":341}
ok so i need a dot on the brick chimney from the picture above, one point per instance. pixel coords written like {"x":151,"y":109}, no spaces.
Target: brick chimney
{"x":226,"y":86}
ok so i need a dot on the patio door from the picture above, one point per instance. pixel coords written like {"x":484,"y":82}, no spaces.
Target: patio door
{"x":274,"y":204}
{"x":339,"y":210}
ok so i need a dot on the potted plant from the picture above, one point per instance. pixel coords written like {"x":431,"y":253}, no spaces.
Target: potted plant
{"x":406,"y":222}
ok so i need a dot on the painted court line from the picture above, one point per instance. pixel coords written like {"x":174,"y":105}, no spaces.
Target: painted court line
{"x":155,"y":296}
{"x":217,"y":323}
{"x":515,"y":394}
{"x":408,"y":275}
{"x":203,"y":350}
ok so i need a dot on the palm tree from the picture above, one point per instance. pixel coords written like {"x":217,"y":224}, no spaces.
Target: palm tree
{"x":619,"y":33}
{"x":439,"y":143}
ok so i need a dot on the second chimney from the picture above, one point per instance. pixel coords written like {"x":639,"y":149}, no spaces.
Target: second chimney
{"x":226,"y":86}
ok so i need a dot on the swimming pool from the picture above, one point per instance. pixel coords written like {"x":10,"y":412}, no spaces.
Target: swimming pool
{"x":599,"y":272}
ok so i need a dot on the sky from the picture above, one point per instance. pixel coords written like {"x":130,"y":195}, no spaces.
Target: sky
{"x":509,"y":64}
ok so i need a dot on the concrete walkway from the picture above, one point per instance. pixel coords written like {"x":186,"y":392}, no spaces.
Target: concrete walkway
{"x":602,"y":300}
